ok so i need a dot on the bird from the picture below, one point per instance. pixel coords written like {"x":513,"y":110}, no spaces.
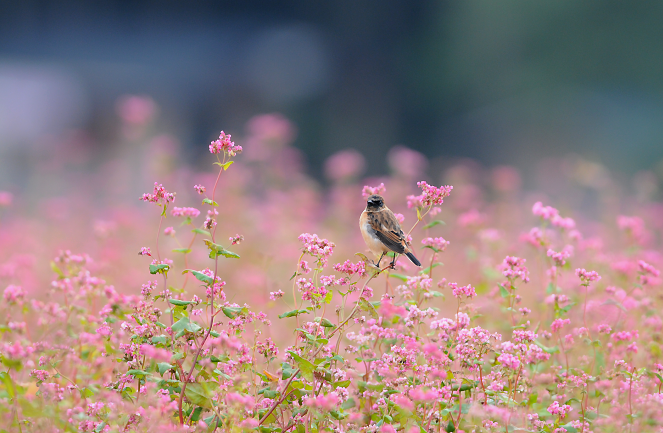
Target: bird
{"x":382,"y":232}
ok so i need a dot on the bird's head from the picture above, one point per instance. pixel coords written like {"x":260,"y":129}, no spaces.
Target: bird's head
{"x":375,"y":203}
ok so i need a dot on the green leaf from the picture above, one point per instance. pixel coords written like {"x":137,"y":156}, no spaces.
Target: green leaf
{"x":184,"y":324}
{"x":138,"y":373}
{"x":163,"y":367}
{"x":180,"y":303}
{"x":232,"y":312}
{"x":210,"y":202}
{"x":199,"y":394}
{"x":368,"y":307}
{"x":182,"y":250}
{"x":159,"y":269}
{"x":292,"y":313}
{"x":504,"y":292}
{"x":200,"y":232}
{"x":8,"y":383}
{"x":217,"y":250}
{"x":159,"y":339}
{"x":199,"y":276}
{"x":287,"y":371}
{"x":569,"y":428}
{"x":327,"y":323}
{"x":305,"y":366}
{"x":195,"y":416}
{"x":100,"y":427}
{"x":57,"y":270}
{"x":224,"y":166}
{"x":401,"y":277}
{"x":430,"y":268}
{"x":434,"y":223}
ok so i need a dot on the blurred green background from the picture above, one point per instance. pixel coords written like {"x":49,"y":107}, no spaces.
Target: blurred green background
{"x":501,"y":82}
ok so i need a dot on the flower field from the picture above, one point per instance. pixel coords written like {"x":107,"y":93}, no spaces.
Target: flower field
{"x":239,"y":296}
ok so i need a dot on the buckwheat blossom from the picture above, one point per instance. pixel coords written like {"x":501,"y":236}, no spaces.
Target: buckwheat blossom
{"x":40,"y":375}
{"x":509,"y":361}
{"x":368,"y":191}
{"x":276,"y":295}
{"x":350,"y":268}
{"x":587,"y":276}
{"x":237,"y":239}
{"x":560,"y":257}
{"x":545,"y":212}
{"x":224,"y":145}
{"x":431,"y":195}
{"x":647,"y":271}
{"x":562,"y":410}
{"x":319,"y":248}
{"x":323,"y":402}
{"x":199,"y":189}
{"x":604,"y":329}
{"x":466,"y":291}
{"x":439,"y":244}
{"x":145,"y":251}
{"x":159,"y":195}
{"x":13,"y":294}
{"x":209,"y":223}
{"x":514,"y":268}
{"x":190,"y":212}
{"x":558,"y":323}
{"x":169,"y":231}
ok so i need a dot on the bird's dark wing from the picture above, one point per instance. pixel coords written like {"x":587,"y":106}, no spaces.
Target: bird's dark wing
{"x":387,"y":229}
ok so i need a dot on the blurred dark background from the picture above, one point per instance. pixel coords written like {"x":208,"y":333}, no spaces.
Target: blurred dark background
{"x":508,"y":82}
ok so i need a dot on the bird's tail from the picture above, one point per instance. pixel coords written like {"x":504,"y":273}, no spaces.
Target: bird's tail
{"x":412,"y":258}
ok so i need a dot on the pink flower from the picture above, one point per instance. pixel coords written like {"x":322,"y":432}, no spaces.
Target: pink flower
{"x":14,"y":294}
{"x":370,"y":190}
{"x":324,"y":402}
{"x":145,"y":251}
{"x":223,"y":144}
{"x":319,"y":248}
{"x":467,"y":291}
{"x":560,"y":258}
{"x":436,"y":244}
{"x":169,"y":231}
{"x":545,"y":212}
{"x":587,"y":276}
{"x":471,"y":218}
{"x":431,"y":195}
{"x":159,"y":195}
{"x":558,"y":323}
{"x":104,"y":330}
{"x":190,"y":212}
{"x":237,"y":239}
{"x":604,"y":329}
{"x":403,"y":401}
{"x":159,"y":355}
{"x":509,"y":361}
{"x":646,"y":268}
{"x":556,"y":409}
{"x":514,"y":268}
{"x":199,"y":189}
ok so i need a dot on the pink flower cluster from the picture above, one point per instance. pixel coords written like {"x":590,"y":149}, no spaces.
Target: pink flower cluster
{"x":514,"y":268}
{"x":439,"y":244}
{"x":551,"y":214}
{"x":350,"y":268}
{"x":237,"y":239}
{"x":190,"y":212}
{"x":324,"y":402}
{"x":431,"y":195}
{"x":467,"y":291}
{"x":368,"y":191}
{"x":317,"y":247}
{"x":587,"y":276}
{"x":560,"y":257}
{"x":223,"y":144}
{"x":199,"y":189}
{"x":159,"y":196}
{"x":145,"y":251}
{"x":14,"y":294}
{"x":562,"y":410}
